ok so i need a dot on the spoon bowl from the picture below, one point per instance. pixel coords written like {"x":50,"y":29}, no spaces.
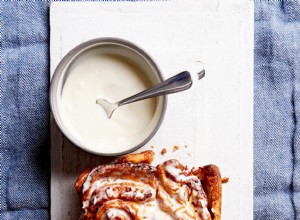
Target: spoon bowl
{"x":177,"y":83}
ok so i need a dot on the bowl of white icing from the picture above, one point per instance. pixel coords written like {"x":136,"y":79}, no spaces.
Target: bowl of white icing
{"x":112,"y":69}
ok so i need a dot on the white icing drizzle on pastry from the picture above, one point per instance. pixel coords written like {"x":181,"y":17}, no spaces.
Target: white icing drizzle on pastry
{"x":177,"y":195}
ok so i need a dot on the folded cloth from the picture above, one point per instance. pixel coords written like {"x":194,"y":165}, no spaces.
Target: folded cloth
{"x":277,"y":110}
{"x":24,"y":110}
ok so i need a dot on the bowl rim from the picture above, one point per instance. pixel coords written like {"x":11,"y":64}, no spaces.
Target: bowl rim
{"x":68,"y":59}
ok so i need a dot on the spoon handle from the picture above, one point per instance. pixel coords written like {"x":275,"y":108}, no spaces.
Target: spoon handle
{"x":177,"y":83}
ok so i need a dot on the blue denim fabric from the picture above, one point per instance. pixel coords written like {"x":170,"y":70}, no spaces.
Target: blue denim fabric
{"x":24,"y":110}
{"x":277,"y":110}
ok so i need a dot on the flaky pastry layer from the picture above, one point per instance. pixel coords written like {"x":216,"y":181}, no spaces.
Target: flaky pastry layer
{"x":133,"y":189}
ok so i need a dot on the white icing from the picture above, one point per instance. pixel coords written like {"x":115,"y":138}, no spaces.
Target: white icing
{"x":138,"y":191}
{"x":180,"y":177}
{"x":152,"y":211}
{"x":177,"y":209}
{"x":182,"y":193}
{"x":114,"y":212}
{"x":95,"y":75}
{"x":86,"y":184}
{"x":180,"y":204}
{"x":195,"y":184}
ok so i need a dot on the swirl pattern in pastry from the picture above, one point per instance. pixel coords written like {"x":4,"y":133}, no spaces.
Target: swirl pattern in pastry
{"x":139,"y":191}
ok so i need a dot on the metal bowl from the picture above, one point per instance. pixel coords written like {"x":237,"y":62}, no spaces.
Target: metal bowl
{"x":113,"y":46}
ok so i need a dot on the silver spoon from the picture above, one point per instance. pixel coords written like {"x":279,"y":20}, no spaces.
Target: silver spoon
{"x":177,"y":83}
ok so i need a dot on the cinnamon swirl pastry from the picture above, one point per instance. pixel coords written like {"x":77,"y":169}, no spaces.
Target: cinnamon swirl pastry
{"x":133,"y":189}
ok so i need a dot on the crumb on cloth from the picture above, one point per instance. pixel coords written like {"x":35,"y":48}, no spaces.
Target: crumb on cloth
{"x":175,"y":148}
{"x":225,"y":179}
{"x":163,"y":151}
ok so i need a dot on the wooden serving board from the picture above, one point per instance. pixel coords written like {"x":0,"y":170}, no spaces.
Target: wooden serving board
{"x":211,"y":122}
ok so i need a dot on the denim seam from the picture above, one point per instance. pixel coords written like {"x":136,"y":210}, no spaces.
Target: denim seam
{"x":296,"y":115}
{"x":294,"y":135}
